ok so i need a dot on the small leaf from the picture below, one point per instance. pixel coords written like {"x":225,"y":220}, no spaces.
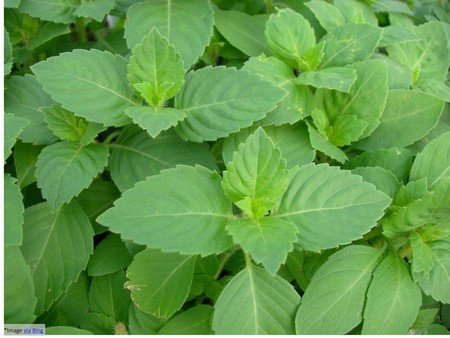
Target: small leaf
{"x":25,"y":157}
{"x":383,"y":179}
{"x":61,"y":11}
{"x":155,"y":63}
{"x":328,"y":15}
{"x":289,"y":36}
{"x":143,"y":323}
{"x":338,"y":309}
{"x":266,"y":303}
{"x":346,"y":129}
{"x":393,"y":299}
{"x":14,"y":126}
{"x":154,"y":121}
{"x":14,"y":216}
{"x":180,"y":210}
{"x":267,"y":240}
{"x":257,"y":172}
{"x":338,"y":78}
{"x":320,"y":143}
{"x":7,"y":54}
{"x":160,"y":282}
{"x":195,"y":320}
{"x":219,"y":101}
{"x":59,"y":163}
{"x":96,"y":9}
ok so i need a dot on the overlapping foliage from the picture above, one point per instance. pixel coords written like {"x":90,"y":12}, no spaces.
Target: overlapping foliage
{"x":227,"y":167}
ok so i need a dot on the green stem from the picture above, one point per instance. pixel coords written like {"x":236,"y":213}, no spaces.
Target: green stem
{"x":81,"y":30}
{"x":111,"y":136}
{"x":269,"y":6}
{"x":222,"y":264}
{"x":405,"y":251}
{"x":248,"y":260}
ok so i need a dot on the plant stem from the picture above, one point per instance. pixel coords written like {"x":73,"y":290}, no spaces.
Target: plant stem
{"x":81,"y":30}
{"x":248,"y":260}
{"x":405,"y":251}
{"x":111,"y":136}
{"x":269,"y":6}
{"x":222,"y":264}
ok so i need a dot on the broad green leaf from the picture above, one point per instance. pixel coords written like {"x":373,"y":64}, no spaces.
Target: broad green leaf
{"x":334,"y":300}
{"x":396,"y":160}
{"x":330,"y":206}
{"x":46,"y":32}
{"x":96,"y":199}
{"x":393,"y":6}
{"x":143,"y":323}
{"x":136,"y":156}
{"x":395,"y":34}
{"x":160,"y":282}
{"x":383,"y":179}
{"x":187,"y":24}
{"x":195,"y":320}
{"x":422,"y":256}
{"x":289,"y":36}
{"x":61,"y":11}
{"x":409,"y":115}
{"x":14,"y":126}
{"x":19,"y":299}
{"x":60,"y":163}
{"x":366,"y":99}
{"x":356,"y":11}
{"x":428,"y":58}
{"x":329,"y":16}
{"x":350,"y":43}
{"x":13,"y":211}
{"x":54,"y":264}
{"x":180,"y":210}
{"x":68,"y":127}
{"x":89,"y":71}
{"x":96,"y":9}
{"x":436,"y":282}
{"x":433,"y":162}
{"x":257,"y":176}
{"x":320,"y":143}
{"x":220,"y":101}
{"x":267,"y":240}
{"x":155,"y":69}
{"x":393,"y":299}
{"x":110,"y":256}
{"x":24,"y":97}
{"x":108,"y":296}
{"x":298,"y":101}
{"x":256,"y":303}
{"x":25,"y":157}
{"x":154,"y":121}
{"x":338,"y":78}
{"x":399,"y":76}
{"x":66,"y":330}
{"x":7,"y":54}
{"x":435,"y":88}
{"x":243,"y":31}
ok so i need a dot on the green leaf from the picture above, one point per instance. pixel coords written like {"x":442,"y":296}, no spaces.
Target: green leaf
{"x":391,"y":6}
{"x":330,"y":206}
{"x":24,"y":97}
{"x":356,"y":11}
{"x":422,"y":257}
{"x":181,"y":209}
{"x":98,"y":323}
{"x":267,"y":240}
{"x":435,"y":88}
{"x":329,"y":16}
{"x":14,"y":126}
{"x":395,"y":34}
{"x":54,"y":264}
{"x":136,"y":156}
{"x":60,"y":163}
{"x":292,"y":141}
{"x":155,"y":69}
{"x":338,"y":78}
{"x":89,"y":72}
{"x":68,"y":127}
{"x":289,"y":36}
{"x":160,"y":282}
{"x":14,"y":216}
{"x":436,"y":281}
{"x":19,"y":299}
{"x":433,"y":162}
{"x":154,"y":121}
{"x":425,"y":317}
{"x":196,"y":320}
{"x":257,"y":176}
{"x":65,"y":330}
{"x":187,"y":24}
{"x":298,"y":101}
{"x":256,"y":303}
{"x":383,"y":179}
{"x":399,"y":76}
{"x":366,"y":99}
{"x":25,"y":157}
{"x":143,"y":323}
{"x":393,"y":299}
{"x":219,"y":101}
{"x":7,"y":54}
{"x":243,"y":31}
{"x":12,"y":3}
{"x":96,"y":9}
{"x":350,"y":43}
{"x":346,"y":129}
{"x":47,"y":31}
{"x":428,"y":58}
{"x":320,"y":143}
{"x":409,"y":115}
{"x":61,"y":11}
{"x":110,"y":256}
{"x":337,"y":309}
{"x":108,"y":296}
